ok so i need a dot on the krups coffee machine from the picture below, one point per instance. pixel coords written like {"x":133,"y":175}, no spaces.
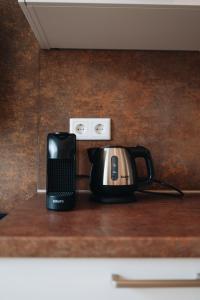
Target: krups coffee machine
{"x":61,"y":171}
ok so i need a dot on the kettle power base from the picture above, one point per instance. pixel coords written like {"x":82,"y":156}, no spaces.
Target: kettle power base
{"x":113,"y":199}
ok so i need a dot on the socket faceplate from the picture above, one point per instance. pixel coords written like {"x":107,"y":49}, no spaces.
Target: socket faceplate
{"x":90,"y":128}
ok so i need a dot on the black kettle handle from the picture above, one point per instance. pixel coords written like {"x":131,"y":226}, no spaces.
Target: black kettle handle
{"x":92,"y":154}
{"x":143,"y":152}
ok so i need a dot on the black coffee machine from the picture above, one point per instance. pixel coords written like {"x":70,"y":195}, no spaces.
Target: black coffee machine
{"x":61,"y":171}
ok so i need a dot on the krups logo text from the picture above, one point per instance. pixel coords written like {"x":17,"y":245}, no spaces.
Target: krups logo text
{"x":125,"y":176}
{"x":58,"y":201}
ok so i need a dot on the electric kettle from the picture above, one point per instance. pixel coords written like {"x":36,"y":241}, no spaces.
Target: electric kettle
{"x":114,"y":171}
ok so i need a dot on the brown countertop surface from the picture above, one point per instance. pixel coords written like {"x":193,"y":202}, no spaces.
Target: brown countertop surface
{"x":150,"y":227}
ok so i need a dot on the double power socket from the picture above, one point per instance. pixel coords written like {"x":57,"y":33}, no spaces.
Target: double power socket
{"x":90,"y":128}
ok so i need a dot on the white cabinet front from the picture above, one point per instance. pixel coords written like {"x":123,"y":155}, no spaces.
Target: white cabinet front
{"x":77,"y":279}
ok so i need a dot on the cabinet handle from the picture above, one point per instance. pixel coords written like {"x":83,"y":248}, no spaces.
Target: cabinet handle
{"x":121,"y":282}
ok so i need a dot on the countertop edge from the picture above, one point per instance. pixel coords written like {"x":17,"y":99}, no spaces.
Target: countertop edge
{"x":96,"y":247}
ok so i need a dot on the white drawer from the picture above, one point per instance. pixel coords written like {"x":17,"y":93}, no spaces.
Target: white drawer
{"x":77,"y":279}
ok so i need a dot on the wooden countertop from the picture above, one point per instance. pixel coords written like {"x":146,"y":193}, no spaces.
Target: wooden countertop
{"x":149,"y":227}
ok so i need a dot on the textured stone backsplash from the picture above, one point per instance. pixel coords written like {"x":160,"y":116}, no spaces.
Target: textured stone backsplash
{"x":153,"y":99}
{"x":19,"y":74}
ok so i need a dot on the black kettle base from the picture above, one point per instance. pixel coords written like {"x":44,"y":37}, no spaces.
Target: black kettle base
{"x":113,"y":199}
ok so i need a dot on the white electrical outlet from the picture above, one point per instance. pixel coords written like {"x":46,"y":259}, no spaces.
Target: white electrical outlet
{"x":90,"y":128}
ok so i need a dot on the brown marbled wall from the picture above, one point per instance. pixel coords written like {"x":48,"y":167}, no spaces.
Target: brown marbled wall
{"x":153,"y":99}
{"x":19,"y":73}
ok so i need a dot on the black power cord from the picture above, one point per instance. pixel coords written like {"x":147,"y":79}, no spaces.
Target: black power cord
{"x":2,"y":215}
{"x":178,"y":193}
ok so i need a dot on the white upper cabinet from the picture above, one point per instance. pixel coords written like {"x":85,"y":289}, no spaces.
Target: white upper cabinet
{"x":115,"y":24}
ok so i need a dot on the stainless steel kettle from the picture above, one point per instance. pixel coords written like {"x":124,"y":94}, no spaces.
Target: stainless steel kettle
{"x":114,"y":171}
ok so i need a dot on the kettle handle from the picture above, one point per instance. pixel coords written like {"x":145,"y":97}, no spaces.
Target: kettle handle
{"x":140,"y":151}
{"x":91,"y":154}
